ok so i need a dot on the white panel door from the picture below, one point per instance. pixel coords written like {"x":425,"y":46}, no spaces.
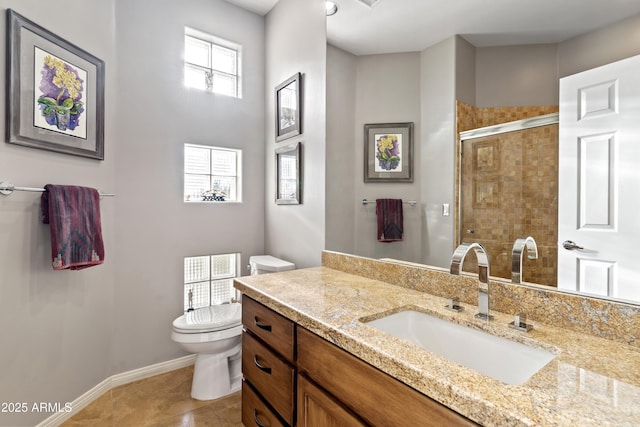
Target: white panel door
{"x":599,"y":181}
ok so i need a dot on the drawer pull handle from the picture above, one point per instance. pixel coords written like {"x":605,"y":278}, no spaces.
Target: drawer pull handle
{"x":261,"y":325}
{"x":255,"y":418}
{"x":262,"y":368}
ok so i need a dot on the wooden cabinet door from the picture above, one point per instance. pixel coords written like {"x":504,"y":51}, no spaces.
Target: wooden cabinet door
{"x":318,"y":409}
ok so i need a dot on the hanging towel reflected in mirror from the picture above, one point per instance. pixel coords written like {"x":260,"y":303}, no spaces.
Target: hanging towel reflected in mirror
{"x":390,"y":220}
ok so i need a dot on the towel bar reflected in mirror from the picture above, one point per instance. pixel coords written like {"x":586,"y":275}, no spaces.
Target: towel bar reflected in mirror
{"x":409,"y":202}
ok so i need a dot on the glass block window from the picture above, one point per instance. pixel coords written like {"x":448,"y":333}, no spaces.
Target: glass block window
{"x":211,"y":63}
{"x":212,"y":174}
{"x":209,"y":279}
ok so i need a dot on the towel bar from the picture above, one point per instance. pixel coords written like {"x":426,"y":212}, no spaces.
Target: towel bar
{"x":409,"y":202}
{"x":7,"y":188}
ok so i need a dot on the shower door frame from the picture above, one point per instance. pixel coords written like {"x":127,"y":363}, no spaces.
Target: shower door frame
{"x":502,"y":128}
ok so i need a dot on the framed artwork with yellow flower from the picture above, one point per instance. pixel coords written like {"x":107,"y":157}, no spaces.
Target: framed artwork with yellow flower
{"x":388,"y":152}
{"x":55,"y":92}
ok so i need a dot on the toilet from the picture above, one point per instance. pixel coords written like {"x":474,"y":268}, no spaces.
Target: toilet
{"x":214,"y":334}
{"x":260,"y":264}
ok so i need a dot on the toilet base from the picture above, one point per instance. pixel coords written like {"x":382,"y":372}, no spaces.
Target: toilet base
{"x":216,"y":375}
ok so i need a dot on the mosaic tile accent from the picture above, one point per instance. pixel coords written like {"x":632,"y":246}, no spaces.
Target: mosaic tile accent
{"x":496,"y":115}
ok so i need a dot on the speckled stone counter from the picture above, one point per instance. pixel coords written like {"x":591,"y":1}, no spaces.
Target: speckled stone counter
{"x":591,"y":382}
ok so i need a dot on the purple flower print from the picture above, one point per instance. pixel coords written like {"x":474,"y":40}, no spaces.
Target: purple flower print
{"x":61,"y":94}
{"x":388,"y":152}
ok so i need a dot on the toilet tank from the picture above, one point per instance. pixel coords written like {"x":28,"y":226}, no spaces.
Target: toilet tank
{"x":261,"y":264}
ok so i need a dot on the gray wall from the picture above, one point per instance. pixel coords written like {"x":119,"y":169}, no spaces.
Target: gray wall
{"x":341,"y":150}
{"x":612,"y":43}
{"x":155,"y":228}
{"x":517,"y":75}
{"x":295,"y":40}
{"x":466,"y":83}
{"x":438,"y":149}
{"x":387,"y":92}
{"x":57,"y":325}
{"x":405,"y":87}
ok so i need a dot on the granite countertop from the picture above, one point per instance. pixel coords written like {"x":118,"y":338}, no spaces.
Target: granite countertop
{"x":591,"y":382}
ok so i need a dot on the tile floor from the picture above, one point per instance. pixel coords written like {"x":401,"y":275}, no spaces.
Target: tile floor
{"x":160,"y":401}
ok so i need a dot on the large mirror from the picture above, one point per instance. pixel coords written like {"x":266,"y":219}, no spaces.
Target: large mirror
{"x":437,"y":88}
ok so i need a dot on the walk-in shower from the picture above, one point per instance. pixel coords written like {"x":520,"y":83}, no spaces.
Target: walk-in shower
{"x":508,"y":188}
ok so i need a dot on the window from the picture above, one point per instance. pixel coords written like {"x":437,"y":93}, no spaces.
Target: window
{"x":212,"y":174}
{"x":209,"y":279}
{"x":211,"y":63}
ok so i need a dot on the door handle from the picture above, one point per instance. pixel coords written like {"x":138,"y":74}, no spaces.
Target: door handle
{"x":570,"y":246}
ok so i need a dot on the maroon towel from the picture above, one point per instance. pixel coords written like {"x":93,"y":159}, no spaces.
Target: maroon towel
{"x":76,"y":229}
{"x":389,"y":214}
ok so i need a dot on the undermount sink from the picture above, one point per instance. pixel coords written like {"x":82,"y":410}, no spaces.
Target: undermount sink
{"x":502,"y":359}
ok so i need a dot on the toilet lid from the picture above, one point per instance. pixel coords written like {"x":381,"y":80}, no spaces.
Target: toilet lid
{"x":209,"y":319}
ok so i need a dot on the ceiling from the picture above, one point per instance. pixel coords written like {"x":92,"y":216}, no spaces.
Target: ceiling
{"x":413,"y":25}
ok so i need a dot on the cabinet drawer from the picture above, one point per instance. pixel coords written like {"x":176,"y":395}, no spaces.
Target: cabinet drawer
{"x":272,"y":328}
{"x":272,"y":377}
{"x":255,"y":413}
{"x":375,"y":396}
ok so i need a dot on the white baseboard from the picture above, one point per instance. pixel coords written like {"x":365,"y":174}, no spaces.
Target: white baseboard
{"x":114,"y":381}
{"x":151,"y":370}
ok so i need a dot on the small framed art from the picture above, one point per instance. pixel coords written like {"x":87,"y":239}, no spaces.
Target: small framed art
{"x":388,"y":152}
{"x":288,"y":173}
{"x":289,"y":108}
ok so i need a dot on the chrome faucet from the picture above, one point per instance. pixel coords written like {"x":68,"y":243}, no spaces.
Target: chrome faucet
{"x":516,"y":256}
{"x":483,"y":274}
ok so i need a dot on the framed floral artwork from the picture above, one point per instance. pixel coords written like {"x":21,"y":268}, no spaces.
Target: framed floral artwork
{"x":388,"y":152}
{"x":289,"y":107}
{"x":55,"y":92}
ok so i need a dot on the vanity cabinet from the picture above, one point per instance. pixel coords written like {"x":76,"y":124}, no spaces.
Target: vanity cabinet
{"x":268,"y":349}
{"x":296,"y":378}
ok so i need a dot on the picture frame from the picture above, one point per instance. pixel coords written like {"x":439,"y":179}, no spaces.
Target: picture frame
{"x":289,"y":108}
{"x":55,"y":92}
{"x":288,"y":174}
{"x":388,"y":152}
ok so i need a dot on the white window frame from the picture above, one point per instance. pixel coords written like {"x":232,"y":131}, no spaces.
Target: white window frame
{"x":211,"y":175}
{"x":216,"y":41}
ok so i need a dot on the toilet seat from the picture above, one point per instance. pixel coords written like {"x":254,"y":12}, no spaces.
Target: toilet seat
{"x":209,"y":319}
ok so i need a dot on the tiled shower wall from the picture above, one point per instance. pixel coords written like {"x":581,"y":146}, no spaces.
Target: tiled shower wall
{"x":509,"y":188}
